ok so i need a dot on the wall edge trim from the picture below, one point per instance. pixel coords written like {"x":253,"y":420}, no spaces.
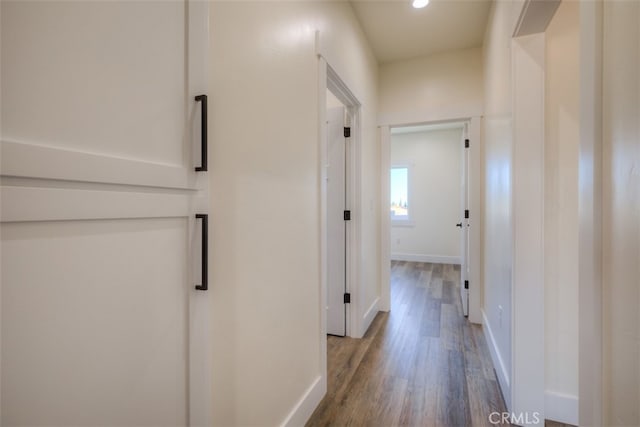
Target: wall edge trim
{"x":307,"y":403}
{"x":498,"y":363}
{"x":561,"y":407}
{"x":369,"y":315}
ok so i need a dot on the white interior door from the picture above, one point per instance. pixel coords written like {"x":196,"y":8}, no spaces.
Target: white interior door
{"x":101,"y":323}
{"x":464,"y":233}
{"x":336,"y":226}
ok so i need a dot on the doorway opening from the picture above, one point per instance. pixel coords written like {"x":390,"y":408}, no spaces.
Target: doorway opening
{"x":340,"y":212}
{"x":338,"y":135}
{"x":428,"y":201}
{"x":340,"y":206}
{"x":430,"y":189}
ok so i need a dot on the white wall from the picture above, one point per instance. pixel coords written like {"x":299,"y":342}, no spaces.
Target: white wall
{"x":590,"y":216}
{"x":561,"y":210}
{"x":265,"y":185}
{"x":498,"y":235}
{"x":435,"y":161}
{"x":621,"y":213}
{"x":439,"y":87}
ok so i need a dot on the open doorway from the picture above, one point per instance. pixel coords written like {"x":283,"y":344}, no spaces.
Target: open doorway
{"x":428,"y":201}
{"x":455,"y":229}
{"x":340,"y":213}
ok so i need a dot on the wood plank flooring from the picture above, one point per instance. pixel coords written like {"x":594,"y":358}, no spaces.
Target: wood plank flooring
{"x":421,"y":364}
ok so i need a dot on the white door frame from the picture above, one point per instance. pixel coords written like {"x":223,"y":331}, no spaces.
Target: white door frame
{"x":527,"y":385}
{"x":328,"y":79}
{"x":465,"y":229}
{"x":475,"y":220}
{"x":590,"y":285}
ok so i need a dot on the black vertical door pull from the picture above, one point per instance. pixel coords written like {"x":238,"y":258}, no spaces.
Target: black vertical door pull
{"x":203,"y":134}
{"x":205,"y":252}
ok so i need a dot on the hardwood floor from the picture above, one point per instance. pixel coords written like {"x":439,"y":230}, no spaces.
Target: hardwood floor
{"x":421,"y":364}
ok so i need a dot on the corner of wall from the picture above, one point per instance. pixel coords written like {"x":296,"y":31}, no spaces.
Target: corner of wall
{"x":309,"y":401}
{"x":498,"y":361}
{"x":368,"y":317}
{"x":561,"y":407}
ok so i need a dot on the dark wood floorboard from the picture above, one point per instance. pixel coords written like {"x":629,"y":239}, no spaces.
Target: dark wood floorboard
{"x":421,"y":364}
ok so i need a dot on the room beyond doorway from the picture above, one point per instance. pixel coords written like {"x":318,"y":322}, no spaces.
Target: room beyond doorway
{"x":428,"y":197}
{"x":426,"y":177}
{"x":428,"y":233}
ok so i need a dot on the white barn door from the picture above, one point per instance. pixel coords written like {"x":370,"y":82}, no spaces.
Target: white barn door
{"x":101,"y":322}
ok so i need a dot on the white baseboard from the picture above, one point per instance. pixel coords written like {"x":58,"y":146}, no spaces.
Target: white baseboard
{"x":369,"y":315}
{"x":436,"y":259}
{"x":561,"y":407}
{"x":309,"y":401}
{"x":498,"y":363}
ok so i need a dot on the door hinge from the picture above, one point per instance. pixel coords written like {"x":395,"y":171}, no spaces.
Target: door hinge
{"x":347,"y":215}
{"x":347,"y":132}
{"x":466,"y":284}
{"x":347,"y":298}
{"x":466,"y":213}
{"x":466,"y":143}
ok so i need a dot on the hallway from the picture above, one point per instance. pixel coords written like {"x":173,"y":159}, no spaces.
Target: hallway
{"x":421,"y":364}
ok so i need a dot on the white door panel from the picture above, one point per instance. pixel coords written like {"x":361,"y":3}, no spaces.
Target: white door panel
{"x":92,"y":76}
{"x":464,"y":235}
{"x":101,"y":322}
{"x":94,"y":322}
{"x":336,"y":232}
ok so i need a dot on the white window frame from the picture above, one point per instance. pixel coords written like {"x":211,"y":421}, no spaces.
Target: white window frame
{"x":408,"y":221}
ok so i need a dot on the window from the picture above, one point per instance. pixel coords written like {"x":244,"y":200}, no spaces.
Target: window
{"x":400,"y":193}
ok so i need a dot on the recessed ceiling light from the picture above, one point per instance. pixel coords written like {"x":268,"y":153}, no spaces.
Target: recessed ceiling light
{"x":419,"y":4}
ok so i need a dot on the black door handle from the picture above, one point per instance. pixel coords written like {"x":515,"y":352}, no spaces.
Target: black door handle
{"x":205,"y":252}
{"x":459,"y":225}
{"x":203,"y":133}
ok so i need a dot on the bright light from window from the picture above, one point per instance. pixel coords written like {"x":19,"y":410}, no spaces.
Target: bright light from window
{"x":399,"y":193}
{"x":419,"y":4}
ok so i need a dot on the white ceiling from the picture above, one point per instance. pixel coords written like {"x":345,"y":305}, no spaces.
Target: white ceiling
{"x":397,"y":31}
